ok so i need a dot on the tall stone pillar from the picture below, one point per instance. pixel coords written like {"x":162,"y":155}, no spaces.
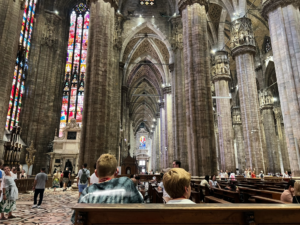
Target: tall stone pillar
{"x":243,"y":50}
{"x":239,"y":139}
{"x":163,"y":136}
{"x":218,"y":157}
{"x":169,"y":125}
{"x":158,"y":144}
{"x":199,"y":108}
{"x":178,"y":93}
{"x":281,"y":138}
{"x":283,"y":17}
{"x":124,"y":121}
{"x":221,"y":77}
{"x":96,"y":135}
{"x":266,"y":106}
{"x":10,"y":27}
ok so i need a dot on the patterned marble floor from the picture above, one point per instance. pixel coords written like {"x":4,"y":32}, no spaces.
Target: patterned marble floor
{"x":56,"y":209}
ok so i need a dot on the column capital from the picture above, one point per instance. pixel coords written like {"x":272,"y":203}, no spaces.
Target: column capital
{"x":167,"y":90}
{"x":114,"y":3}
{"x":171,"y":67}
{"x":242,"y":37}
{"x":121,"y":65}
{"x":124,"y":89}
{"x":266,"y":99}
{"x":182,"y":4}
{"x":277,"y":112}
{"x":161,"y":105}
{"x":270,"y":5}
{"x":236,"y":116}
{"x":220,"y":66}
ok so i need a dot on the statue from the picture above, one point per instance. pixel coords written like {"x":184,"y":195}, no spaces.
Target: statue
{"x":30,"y":157}
{"x":69,"y":165}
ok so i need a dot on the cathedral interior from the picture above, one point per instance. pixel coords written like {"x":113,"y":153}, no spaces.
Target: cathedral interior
{"x":213,"y":84}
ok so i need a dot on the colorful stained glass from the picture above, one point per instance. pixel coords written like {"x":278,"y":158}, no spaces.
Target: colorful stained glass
{"x":73,"y":91}
{"x":18,"y":85}
{"x":147,"y":2}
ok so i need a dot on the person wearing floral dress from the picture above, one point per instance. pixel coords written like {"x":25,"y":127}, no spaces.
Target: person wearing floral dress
{"x":10,"y":195}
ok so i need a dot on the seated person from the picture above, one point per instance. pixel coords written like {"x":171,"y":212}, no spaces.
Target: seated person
{"x":109,"y":189}
{"x":177,"y":183}
{"x":153,"y":180}
{"x":296,"y":198}
{"x":213,"y":183}
{"x":231,"y":187}
{"x":287,"y":195}
{"x":205,"y":181}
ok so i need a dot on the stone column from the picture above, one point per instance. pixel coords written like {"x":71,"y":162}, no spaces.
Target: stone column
{"x":178,"y":93}
{"x":221,"y":77}
{"x":163,"y":136}
{"x":169,"y":125}
{"x":218,"y":157}
{"x":10,"y":27}
{"x":96,"y":135}
{"x":266,"y":107}
{"x":281,"y":138}
{"x":283,"y":17}
{"x":124,"y":121}
{"x":199,"y":108}
{"x":238,"y":134}
{"x":243,"y":50}
{"x":158,"y":144}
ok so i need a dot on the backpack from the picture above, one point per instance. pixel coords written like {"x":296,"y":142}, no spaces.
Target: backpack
{"x":84,"y":177}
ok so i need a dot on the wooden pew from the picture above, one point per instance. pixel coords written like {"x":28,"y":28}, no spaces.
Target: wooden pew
{"x":195,"y":196}
{"x":259,"y":199}
{"x":247,"y":192}
{"x":159,"y":195}
{"x":212,"y":199}
{"x":221,"y":193}
{"x":209,"y":214}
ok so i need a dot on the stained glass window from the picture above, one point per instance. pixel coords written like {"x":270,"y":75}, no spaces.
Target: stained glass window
{"x":17,"y":91}
{"x":73,"y":91}
{"x":147,"y":2}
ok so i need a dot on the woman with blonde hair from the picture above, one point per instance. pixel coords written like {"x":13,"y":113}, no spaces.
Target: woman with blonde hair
{"x":177,"y":183}
{"x":296,"y":198}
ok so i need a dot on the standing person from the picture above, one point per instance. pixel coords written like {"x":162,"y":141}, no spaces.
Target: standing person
{"x":55,"y":182}
{"x":253,"y":174}
{"x":66,"y":178}
{"x":261,"y":175}
{"x":94,"y":179}
{"x":10,"y":195}
{"x":83,"y":178}
{"x":176,"y":164}
{"x":23,"y":175}
{"x":39,"y":187}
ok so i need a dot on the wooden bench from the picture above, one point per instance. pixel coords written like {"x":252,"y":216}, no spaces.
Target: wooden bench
{"x":221,"y":193}
{"x":248,"y":192}
{"x":212,"y":199}
{"x":158,"y":196}
{"x":259,"y":199}
{"x":209,"y":214}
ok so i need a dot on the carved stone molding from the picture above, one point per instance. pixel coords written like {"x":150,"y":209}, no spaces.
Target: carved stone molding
{"x":177,"y":33}
{"x":270,"y":5}
{"x":114,"y":3}
{"x":167,"y":90}
{"x":220,"y":66}
{"x":266,"y":99}
{"x":182,"y":4}
{"x":278,"y":113}
{"x":22,"y":4}
{"x":49,"y":35}
{"x":118,"y":30}
{"x":236,"y":116}
{"x":242,"y":37}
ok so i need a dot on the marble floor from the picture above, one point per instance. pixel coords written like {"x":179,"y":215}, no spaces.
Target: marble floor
{"x":56,"y":209}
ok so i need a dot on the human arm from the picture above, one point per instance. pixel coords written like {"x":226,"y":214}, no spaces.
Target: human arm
{"x":218,"y":185}
{"x":69,"y":176}
{"x":210,"y":184}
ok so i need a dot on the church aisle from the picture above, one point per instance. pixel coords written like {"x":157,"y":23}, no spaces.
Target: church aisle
{"x":56,"y":209}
